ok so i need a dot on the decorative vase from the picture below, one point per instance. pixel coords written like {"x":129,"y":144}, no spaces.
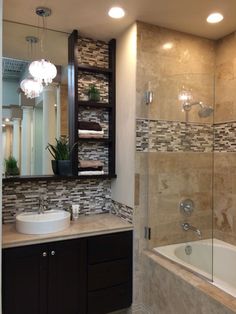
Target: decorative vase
{"x":65,"y":168}
{"x":54,"y":166}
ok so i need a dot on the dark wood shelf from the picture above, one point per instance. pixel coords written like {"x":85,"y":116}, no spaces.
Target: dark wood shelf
{"x":101,"y":176}
{"x":100,"y":140}
{"x":92,"y":104}
{"x":57,"y":178}
{"x":75,"y":104}
{"x":88,"y":68}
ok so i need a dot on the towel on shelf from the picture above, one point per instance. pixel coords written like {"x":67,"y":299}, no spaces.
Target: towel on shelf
{"x":91,"y":168}
{"x":90,"y":164}
{"x":89,"y":126}
{"x":91,"y":132}
{"x":85,"y":135}
{"x":90,"y":173}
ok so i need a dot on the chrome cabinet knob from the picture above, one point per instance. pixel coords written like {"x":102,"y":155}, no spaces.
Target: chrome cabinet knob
{"x":44,"y":254}
{"x":53,"y":253}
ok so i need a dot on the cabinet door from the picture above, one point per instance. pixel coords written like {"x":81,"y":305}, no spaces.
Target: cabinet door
{"x":67,"y":277}
{"x":24,"y":285}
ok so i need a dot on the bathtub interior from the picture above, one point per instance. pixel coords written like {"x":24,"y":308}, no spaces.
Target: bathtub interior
{"x":221,"y":255}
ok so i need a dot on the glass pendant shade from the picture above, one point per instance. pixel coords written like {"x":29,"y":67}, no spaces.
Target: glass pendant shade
{"x":31,"y":88}
{"x":43,"y":71}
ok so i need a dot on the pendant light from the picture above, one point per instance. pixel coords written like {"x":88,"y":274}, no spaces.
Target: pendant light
{"x":43,"y":70}
{"x":30,"y":86}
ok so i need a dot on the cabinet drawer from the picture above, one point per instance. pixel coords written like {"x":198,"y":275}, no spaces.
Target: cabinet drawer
{"x":109,"y":274}
{"x":109,"y":247}
{"x":111,"y":299}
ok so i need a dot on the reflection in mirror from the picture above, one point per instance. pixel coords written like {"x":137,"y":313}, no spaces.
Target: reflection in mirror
{"x":28,"y":125}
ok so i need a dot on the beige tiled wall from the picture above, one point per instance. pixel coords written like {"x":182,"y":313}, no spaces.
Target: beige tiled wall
{"x":189,"y":63}
{"x":172,"y":176}
{"x":225,"y":151}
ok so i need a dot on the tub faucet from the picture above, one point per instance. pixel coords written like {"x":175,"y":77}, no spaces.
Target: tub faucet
{"x":186,"y":226}
{"x":42,"y":205}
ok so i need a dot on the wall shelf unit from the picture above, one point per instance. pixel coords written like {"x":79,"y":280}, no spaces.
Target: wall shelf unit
{"x":76,"y":105}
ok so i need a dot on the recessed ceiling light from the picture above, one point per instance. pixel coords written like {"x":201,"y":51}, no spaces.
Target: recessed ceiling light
{"x":7,"y":119}
{"x":3,"y":125}
{"x":116,"y":13}
{"x":168,"y":46}
{"x":215,"y":17}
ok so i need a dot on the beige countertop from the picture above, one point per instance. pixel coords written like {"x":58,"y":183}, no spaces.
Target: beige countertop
{"x":84,"y":227}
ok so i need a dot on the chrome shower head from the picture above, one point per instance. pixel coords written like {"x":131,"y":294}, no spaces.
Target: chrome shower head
{"x":205,"y":111}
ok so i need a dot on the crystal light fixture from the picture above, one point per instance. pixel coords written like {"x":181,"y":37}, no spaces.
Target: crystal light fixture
{"x":31,"y":88}
{"x":43,"y":70}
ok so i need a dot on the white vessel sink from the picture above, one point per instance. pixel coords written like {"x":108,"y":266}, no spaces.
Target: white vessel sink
{"x":48,"y":222}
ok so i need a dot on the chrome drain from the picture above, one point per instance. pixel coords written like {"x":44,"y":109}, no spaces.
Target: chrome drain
{"x":188,"y":250}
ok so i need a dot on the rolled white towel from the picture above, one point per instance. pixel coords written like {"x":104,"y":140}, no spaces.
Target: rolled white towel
{"x":90,"y":173}
{"x":91,"y":132}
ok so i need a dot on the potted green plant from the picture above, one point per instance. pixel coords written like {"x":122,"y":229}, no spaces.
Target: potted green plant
{"x":61,"y":152}
{"x":93,"y":93}
{"x":11,"y":168}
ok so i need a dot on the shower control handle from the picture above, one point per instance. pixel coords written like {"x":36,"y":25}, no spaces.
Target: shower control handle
{"x":186,"y":207}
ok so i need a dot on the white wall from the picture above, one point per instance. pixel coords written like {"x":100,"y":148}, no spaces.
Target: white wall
{"x":9,"y":93}
{"x":123,"y":186}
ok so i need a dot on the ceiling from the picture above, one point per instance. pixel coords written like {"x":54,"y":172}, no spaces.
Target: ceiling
{"x":91,"y":19}
{"x":12,"y":68}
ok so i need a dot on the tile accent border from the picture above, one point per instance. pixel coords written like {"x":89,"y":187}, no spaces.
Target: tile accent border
{"x":173,"y":136}
{"x":123,"y":211}
{"x":225,"y":137}
{"x":93,"y":196}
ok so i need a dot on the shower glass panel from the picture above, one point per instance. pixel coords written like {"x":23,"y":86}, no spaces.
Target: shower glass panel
{"x":180,"y":169}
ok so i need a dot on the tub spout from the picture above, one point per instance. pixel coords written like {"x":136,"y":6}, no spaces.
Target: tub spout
{"x":186,"y":226}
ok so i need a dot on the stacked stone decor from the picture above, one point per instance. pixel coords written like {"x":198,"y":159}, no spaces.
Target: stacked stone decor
{"x":92,"y":52}
{"x":95,"y":54}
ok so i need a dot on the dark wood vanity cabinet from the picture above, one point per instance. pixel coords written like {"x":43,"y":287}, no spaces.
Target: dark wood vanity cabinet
{"x":45,"y":279}
{"x":109,"y":273}
{"x":90,"y":275}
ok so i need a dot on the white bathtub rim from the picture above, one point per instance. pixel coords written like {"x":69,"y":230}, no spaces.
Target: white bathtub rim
{"x":167,"y":251}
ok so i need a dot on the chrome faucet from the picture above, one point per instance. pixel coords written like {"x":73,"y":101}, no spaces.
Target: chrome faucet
{"x":42,"y":205}
{"x":186,"y":226}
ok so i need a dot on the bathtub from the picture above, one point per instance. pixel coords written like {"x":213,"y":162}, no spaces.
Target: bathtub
{"x":215,"y":262}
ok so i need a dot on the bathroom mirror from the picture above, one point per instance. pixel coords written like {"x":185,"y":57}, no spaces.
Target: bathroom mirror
{"x":28,"y":125}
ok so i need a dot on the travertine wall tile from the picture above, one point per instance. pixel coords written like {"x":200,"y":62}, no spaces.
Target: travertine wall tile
{"x":189,"y":63}
{"x":225,"y":196}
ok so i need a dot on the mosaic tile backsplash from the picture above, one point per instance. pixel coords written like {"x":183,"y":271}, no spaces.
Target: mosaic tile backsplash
{"x":94,"y":151}
{"x":98,"y":115}
{"x":92,"y":52}
{"x":93,"y":195}
{"x":85,"y":80}
{"x":123,"y":211}
{"x":172,"y":136}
